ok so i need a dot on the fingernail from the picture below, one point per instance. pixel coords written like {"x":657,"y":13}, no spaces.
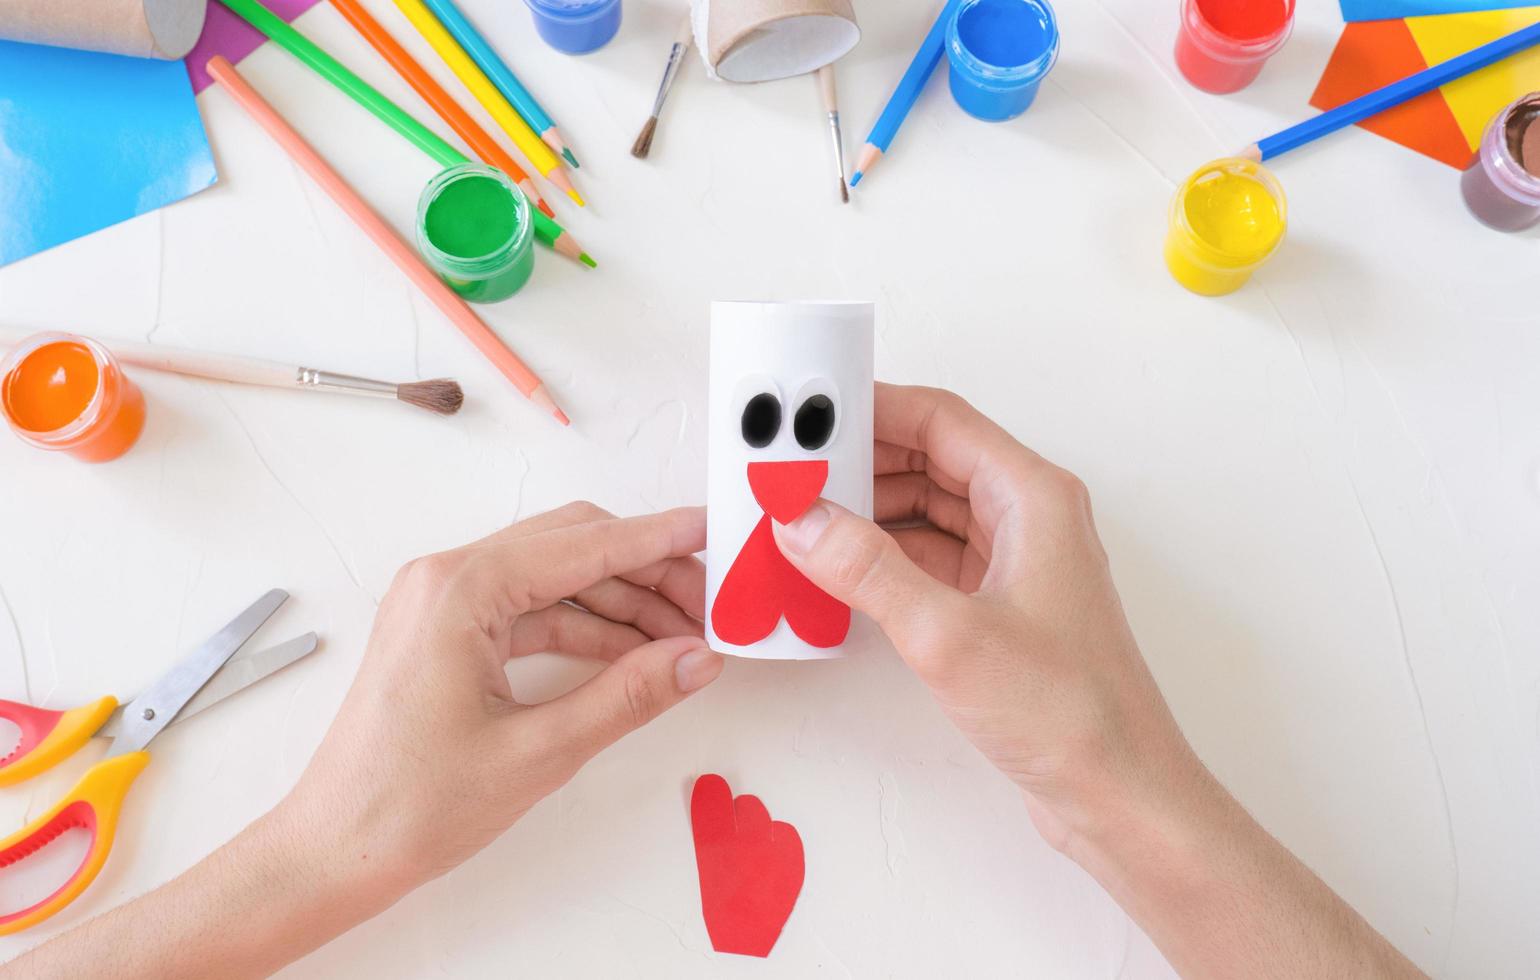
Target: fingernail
{"x":696,"y":669}
{"x":801,"y":534}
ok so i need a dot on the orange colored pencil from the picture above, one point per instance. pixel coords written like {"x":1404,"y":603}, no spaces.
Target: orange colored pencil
{"x":450,"y":304}
{"x":441,"y":101}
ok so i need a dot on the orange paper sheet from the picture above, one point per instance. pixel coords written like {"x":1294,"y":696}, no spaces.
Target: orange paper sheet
{"x":1373,"y":53}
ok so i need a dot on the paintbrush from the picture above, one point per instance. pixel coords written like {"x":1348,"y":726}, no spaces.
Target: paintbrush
{"x":643,"y":144}
{"x":440,"y":396}
{"x":831,"y":105}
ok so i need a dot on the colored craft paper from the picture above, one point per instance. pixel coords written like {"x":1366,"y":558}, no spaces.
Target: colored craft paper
{"x":790,"y":420}
{"x":225,"y":33}
{"x":1479,"y":96}
{"x":1445,"y":125}
{"x":1357,"y":10}
{"x":751,"y":868}
{"x":1374,"y":53}
{"x":88,"y":140}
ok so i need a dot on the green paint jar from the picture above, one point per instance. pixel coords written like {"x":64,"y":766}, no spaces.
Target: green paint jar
{"x":475,"y":229}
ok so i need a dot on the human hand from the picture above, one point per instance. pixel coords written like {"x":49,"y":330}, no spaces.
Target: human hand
{"x":430,"y":757}
{"x":991,"y":581}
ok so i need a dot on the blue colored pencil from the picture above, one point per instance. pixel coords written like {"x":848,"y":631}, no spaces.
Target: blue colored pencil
{"x":903,"y":98}
{"x":1394,"y":94}
{"x":506,"y":81}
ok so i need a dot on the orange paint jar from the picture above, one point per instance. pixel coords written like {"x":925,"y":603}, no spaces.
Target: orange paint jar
{"x":67,"y":393}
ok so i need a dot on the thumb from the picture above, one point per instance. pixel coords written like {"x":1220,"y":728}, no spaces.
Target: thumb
{"x":860,"y":564}
{"x":627,"y":694}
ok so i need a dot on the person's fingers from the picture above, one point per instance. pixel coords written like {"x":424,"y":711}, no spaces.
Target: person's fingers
{"x":915,"y":497}
{"x":623,"y":697}
{"x":963,"y":448}
{"x":620,"y":601}
{"x":681,"y":580}
{"x":941,"y":555}
{"x":532,"y":572}
{"x":564,"y":628}
{"x":861,"y":565}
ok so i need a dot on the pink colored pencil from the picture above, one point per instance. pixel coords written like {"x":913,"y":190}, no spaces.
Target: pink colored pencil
{"x":452,"y":306}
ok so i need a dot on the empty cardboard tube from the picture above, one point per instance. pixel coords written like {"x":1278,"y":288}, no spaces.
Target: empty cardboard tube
{"x":165,"y":29}
{"x":763,"y":40}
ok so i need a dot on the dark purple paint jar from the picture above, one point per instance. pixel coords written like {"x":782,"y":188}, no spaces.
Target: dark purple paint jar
{"x":1498,"y":188}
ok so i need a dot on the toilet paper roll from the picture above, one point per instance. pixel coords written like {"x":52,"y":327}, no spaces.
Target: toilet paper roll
{"x":165,"y":29}
{"x":789,"y":421}
{"x":762,"y":40}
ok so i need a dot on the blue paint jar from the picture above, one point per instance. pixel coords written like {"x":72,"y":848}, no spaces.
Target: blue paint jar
{"x":576,"y":26}
{"x":999,"y":50}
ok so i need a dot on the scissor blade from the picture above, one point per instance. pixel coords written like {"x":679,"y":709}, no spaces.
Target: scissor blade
{"x":146,"y":715}
{"x":239,"y":673}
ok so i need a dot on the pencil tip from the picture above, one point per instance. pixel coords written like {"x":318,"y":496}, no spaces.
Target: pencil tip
{"x":567,"y":155}
{"x":572,"y":193}
{"x":545,"y":209}
{"x":855,"y":178}
{"x":588,"y":260}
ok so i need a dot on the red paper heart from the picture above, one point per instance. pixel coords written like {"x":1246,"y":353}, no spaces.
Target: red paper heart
{"x":750,"y":868}
{"x":762,"y":586}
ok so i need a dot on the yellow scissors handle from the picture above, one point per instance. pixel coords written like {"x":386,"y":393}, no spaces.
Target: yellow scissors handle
{"x":48,"y":737}
{"x":93,"y":805}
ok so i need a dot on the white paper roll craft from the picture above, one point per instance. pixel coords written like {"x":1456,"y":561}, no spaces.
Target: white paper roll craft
{"x":789,"y":421}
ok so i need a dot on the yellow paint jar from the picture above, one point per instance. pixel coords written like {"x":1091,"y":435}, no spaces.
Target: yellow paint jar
{"x":1226,"y":220}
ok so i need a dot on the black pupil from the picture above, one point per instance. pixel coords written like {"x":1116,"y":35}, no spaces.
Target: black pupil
{"x":815,"y":422}
{"x":761,"y":420}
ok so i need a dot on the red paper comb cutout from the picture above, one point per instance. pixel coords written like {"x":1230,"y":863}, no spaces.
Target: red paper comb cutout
{"x":750,"y":868}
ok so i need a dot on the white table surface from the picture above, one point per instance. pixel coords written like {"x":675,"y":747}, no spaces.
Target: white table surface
{"x":1321,"y":496}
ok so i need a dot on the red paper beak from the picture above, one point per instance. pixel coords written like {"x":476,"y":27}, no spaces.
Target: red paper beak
{"x":784,"y":490}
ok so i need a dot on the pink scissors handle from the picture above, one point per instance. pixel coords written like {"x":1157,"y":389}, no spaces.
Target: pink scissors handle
{"x":48,"y":737}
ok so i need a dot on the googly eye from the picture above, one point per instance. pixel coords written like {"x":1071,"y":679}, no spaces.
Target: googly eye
{"x":817,"y":415}
{"x":761,"y":420}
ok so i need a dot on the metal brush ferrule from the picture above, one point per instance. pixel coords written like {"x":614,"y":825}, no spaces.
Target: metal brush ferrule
{"x":327,"y":381}
{"x":675,"y":56}
{"x":839,"y":144}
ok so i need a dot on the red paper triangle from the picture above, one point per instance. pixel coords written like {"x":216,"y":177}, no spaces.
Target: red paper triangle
{"x":1373,"y":53}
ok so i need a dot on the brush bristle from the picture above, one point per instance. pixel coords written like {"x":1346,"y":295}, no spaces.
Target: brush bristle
{"x":844,"y":191}
{"x":643,"y":144}
{"x":441,"y":395}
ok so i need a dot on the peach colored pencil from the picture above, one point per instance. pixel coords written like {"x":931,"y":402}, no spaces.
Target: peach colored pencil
{"x":452,"y":306}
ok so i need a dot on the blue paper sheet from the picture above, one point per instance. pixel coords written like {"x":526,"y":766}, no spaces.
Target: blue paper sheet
{"x":1391,"y":9}
{"x":88,"y":140}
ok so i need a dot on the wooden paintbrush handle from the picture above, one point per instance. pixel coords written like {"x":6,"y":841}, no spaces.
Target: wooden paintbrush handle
{"x":831,"y":102}
{"x":199,"y":364}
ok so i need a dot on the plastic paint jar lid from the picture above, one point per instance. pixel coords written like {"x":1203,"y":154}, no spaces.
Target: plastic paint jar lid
{"x":1222,"y":46}
{"x":576,"y":26}
{"x":104,"y":428}
{"x":986,"y":74}
{"x":572,"y":10}
{"x":496,"y":271}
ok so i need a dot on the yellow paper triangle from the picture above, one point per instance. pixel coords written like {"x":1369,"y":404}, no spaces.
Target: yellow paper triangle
{"x":1477,"y":97}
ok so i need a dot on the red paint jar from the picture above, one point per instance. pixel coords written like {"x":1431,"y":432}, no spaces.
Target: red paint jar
{"x":1223,"y":44}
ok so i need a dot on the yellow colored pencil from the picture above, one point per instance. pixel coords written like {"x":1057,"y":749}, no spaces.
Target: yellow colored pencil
{"x":527,"y":140}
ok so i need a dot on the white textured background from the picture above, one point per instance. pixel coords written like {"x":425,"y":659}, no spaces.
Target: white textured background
{"x":1321,"y":495}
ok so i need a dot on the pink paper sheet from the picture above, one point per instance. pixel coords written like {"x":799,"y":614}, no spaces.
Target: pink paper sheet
{"x":226,"y":34}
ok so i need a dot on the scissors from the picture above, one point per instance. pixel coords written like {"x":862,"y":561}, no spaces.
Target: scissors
{"x":210,"y":674}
